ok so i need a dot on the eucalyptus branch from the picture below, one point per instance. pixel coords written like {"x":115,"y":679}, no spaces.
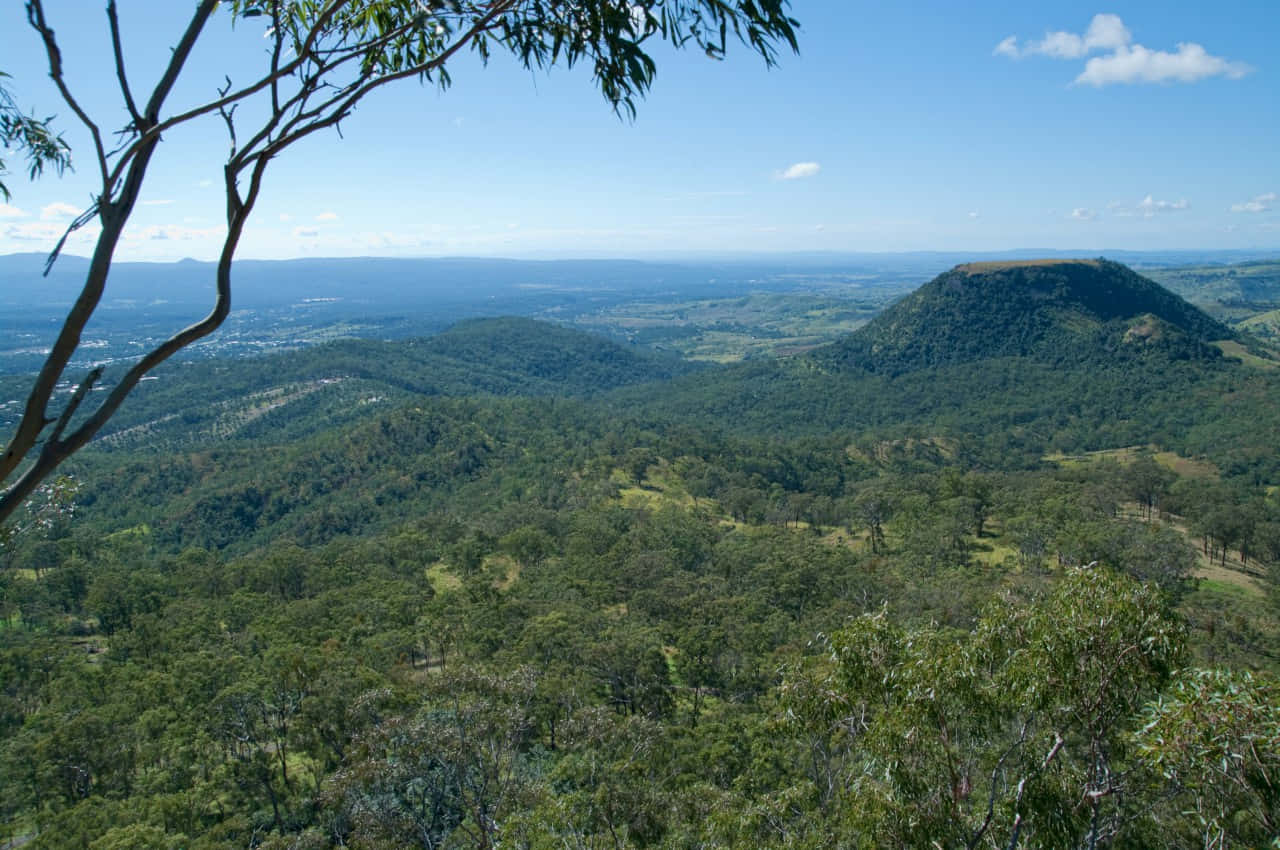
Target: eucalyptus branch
{"x":35,"y":16}
{"x":179,"y":59}
{"x":341,"y":104}
{"x":118,"y":51}
{"x":80,"y":221}
{"x":74,"y":404}
{"x":995,"y":774}
{"x":159,"y":127}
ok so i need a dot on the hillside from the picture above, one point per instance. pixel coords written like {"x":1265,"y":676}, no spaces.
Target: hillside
{"x":1053,"y":310}
{"x":288,"y":395}
{"x":1015,"y":359}
{"x":347,"y":596}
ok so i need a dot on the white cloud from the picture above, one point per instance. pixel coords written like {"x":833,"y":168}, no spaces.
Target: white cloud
{"x":1083,"y":214}
{"x":286,"y":217}
{"x":327,"y":216}
{"x":1137,"y":64}
{"x":1106,"y":32}
{"x":10,"y":211}
{"x":799,"y":170}
{"x":57,"y":210}
{"x":48,"y":232}
{"x":174,"y":232}
{"x":975,"y":214}
{"x":1123,"y":61}
{"x":1008,"y":47}
{"x":1261,"y":203}
{"x":1149,"y":206}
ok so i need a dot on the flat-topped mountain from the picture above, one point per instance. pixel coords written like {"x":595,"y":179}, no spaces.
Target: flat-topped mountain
{"x":1051,"y":309}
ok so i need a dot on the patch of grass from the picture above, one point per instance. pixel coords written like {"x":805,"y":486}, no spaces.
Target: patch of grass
{"x":1231,"y":348}
{"x":1184,"y":466}
{"x":506,"y":569}
{"x":994,"y":553}
{"x":727,"y":330}
{"x":1187,"y":467}
{"x":441,"y":579}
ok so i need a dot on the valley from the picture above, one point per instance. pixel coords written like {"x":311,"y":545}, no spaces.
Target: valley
{"x":799,"y":563}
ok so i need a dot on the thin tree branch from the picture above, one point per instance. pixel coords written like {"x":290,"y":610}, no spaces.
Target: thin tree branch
{"x":80,"y":221}
{"x":118,"y":49}
{"x":159,"y":127}
{"x":179,"y":58}
{"x":349,"y":97}
{"x":73,"y":405}
{"x":35,"y":16}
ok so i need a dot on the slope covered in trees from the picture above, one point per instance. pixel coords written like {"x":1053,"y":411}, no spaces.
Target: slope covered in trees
{"x":1053,"y":310}
{"x":780,"y":605}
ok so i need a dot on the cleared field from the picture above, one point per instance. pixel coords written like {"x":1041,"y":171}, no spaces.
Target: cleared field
{"x":726,"y":330}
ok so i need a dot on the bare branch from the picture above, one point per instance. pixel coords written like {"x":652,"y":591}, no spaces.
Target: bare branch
{"x":79,"y":222}
{"x":72,"y":406}
{"x":118,"y":50}
{"x":159,"y":127}
{"x":178,"y":59}
{"x":35,"y":16}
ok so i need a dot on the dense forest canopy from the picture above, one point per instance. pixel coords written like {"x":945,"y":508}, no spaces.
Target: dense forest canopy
{"x":517,"y":585}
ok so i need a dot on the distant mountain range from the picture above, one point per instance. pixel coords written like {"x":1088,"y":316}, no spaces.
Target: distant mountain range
{"x":390,"y":283}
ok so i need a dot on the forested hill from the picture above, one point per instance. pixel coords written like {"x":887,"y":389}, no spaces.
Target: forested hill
{"x":505,"y":356}
{"x":292,"y":394}
{"x":1054,"y":310}
{"x":1023,"y":357}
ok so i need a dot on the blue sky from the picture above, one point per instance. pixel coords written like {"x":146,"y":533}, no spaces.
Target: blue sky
{"x":918,"y":126}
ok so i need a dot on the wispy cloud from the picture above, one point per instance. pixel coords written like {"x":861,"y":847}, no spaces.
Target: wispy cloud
{"x":1149,"y":206}
{"x":1260,"y":203}
{"x":1084,"y":214}
{"x":974,"y":214}
{"x":1124,"y":61}
{"x":48,"y":232}
{"x":327,"y":216}
{"x":1106,"y":32}
{"x":1137,"y":64}
{"x":57,"y":210}
{"x":176,"y":233}
{"x":799,"y":170}
{"x":306,"y":232}
{"x":10,"y":211}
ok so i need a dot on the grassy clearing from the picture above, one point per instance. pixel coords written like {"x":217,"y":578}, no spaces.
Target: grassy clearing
{"x":1187,"y":467}
{"x":994,"y":553}
{"x":1123,"y":456}
{"x":506,"y":568}
{"x":1231,"y":348}
{"x":1184,"y":466}
{"x":726,"y":330}
{"x":441,"y":579}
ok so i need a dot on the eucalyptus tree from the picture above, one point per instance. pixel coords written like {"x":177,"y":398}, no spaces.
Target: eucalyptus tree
{"x":323,"y":58}
{"x":30,"y":135}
